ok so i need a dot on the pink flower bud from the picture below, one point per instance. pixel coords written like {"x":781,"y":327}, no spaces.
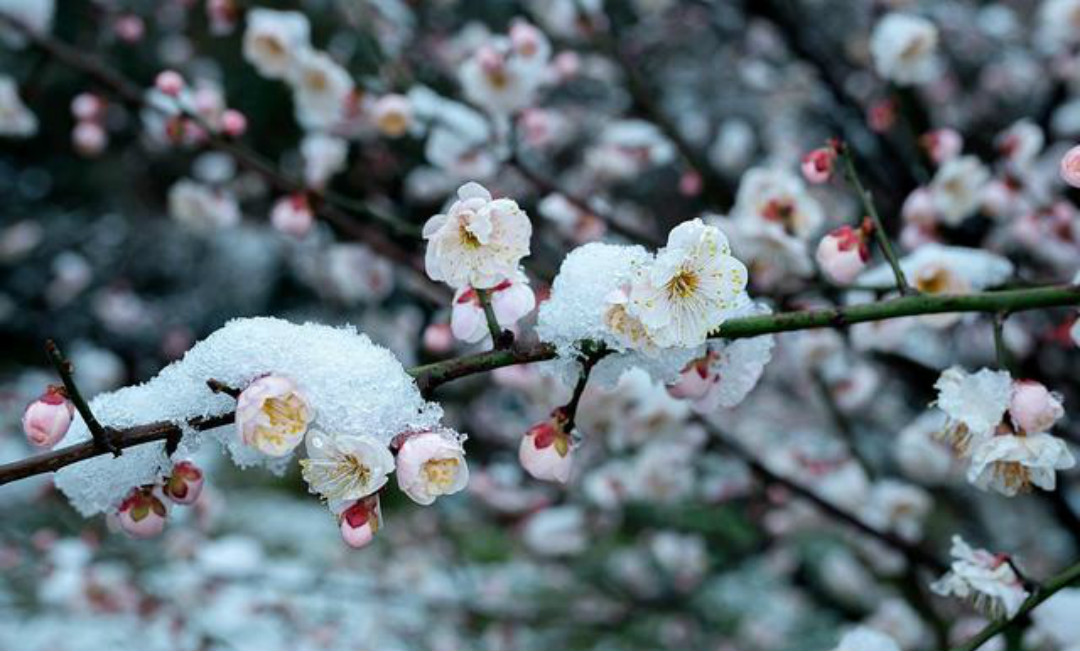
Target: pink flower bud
{"x":690,"y":184}
{"x":695,"y":380}
{"x":817,"y":165}
{"x":438,"y":338}
{"x":233,"y":123}
{"x":184,"y":484}
{"x":142,"y":514}
{"x":361,"y":521}
{"x":47,"y":419}
{"x":430,"y":464}
{"x":87,"y":106}
{"x":1070,"y":167}
{"x":942,"y":144}
{"x":169,"y":82}
{"x":292,"y":215}
{"x":546,"y":452}
{"x":1033,"y":407}
{"x":129,"y":28}
{"x":89,"y":138}
{"x":843,"y":254}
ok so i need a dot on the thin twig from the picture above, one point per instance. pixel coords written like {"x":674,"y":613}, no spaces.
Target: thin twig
{"x":879,"y":229}
{"x":65,"y":369}
{"x":220,"y":387}
{"x":498,"y":335}
{"x":1001,"y":349}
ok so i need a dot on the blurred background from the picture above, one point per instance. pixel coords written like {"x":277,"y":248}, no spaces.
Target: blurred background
{"x":650,"y":113}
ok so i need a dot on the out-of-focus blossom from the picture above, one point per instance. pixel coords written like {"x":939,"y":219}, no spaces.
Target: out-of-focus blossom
{"x":546,"y":451}
{"x":478,"y":242}
{"x":1055,"y":621}
{"x":817,"y":165}
{"x":725,"y":374}
{"x":360,"y":521}
{"x":324,"y":156}
{"x":89,"y":138}
{"x":35,"y":15}
{"x":88,"y":107}
{"x":345,"y":467}
{"x":511,"y":300}
{"x":233,"y":123}
{"x":987,"y":579}
{"x":556,"y":531}
{"x":272,"y":415}
{"x":438,"y":338}
{"x":919,"y":452}
{"x":627,"y":148}
{"x":273,"y":40}
{"x":778,"y":199}
{"x":904,"y":48}
{"x":1057,"y":20}
{"x":504,"y":74}
{"x":430,"y":464}
{"x":354,"y":273}
{"x":142,"y":514}
{"x":202,"y":208}
{"x":942,"y":145}
{"x":691,"y":288}
{"x":974,"y":403}
{"x":956,"y":189}
{"x":292,"y":215}
{"x":393,"y":115}
{"x":1070,"y":167}
{"x":1033,"y":407}
{"x":864,"y":638}
{"x":46,"y":420}
{"x":897,"y":506}
{"x":185,"y":484}
{"x":843,"y":254}
{"x":222,"y":16}
{"x":16,"y":121}
{"x":321,"y":87}
{"x":169,"y":82}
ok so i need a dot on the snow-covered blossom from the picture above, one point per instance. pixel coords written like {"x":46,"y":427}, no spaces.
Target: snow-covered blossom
{"x":624,"y":325}
{"x":843,"y":254}
{"x":942,"y":145}
{"x":47,"y":419}
{"x":16,"y":121}
{"x":360,"y":521}
{"x":142,"y":514}
{"x":273,"y":39}
{"x":1070,"y":167}
{"x":974,"y":403}
{"x":956,"y":189}
{"x":292,"y":215}
{"x":430,"y":464}
{"x":817,"y":165}
{"x":321,"y":87}
{"x":345,"y":467}
{"x":184,"y":484}
{"x":1013,"y":463}
{"x":324,"y":156}
{"x":504,"y":74}
{"x":272,"y":415}
{"x":864,"y":638}
{"x":987,"y":579}
{"x":546,"y":450}
{"x":478,"y":242}
{"x":393,"y":115}
{"x":202,"y":207}
{"x":1033,"y":407}
{"x":511,"y":300}
{"x":904,"y":48}
{"x":691,"y":287}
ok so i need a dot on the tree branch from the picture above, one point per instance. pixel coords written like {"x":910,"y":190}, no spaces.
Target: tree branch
{"x":65,"y":370}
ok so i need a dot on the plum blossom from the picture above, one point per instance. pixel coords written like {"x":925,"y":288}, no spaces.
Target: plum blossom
{"x":843,"y":254}
{"x":779,"y":199}
{"x":504,"y":74}
{"x":904,"y":48}
{"x":546,"y":450}
{"x":942,"y":145}
{"x":360,"y":521}
{"x":956,"y":189}
{"x":511,"y":301}
{"x":272,"y":415}
{"x":273,"y":39}
{"x":864,"y":638}
{"x":987,"y":579}
{"x":478,"y":242}
{"x":627,"y":148}
{"x":292,"y":215}
{"x":184,"y":484}
{"x":817,"y":165}
{"x":430,"y":464}
{"x":393,"y":115}
{"x":142,"y":514}
{"x":324,"y":156}
{"x":345,"y":467}
{"x":1020,"y":144}
{"x":1013,"y":463}
{"x":690,"y":288}
{"x":321,"y":87}
{"x":201,"y":207}
{"x":1033,"y":408}
{"x":974,"y":404}
{"x":16,"y":121}
{"x":1070,"y":167}
{"x":47,"y":419}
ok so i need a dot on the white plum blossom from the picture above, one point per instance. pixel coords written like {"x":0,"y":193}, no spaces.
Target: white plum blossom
{"x":273,"y":39}
{"x":393,"y":115}
{"x":897,"y":506}
{"x":1020,"y":144}
{"x":627,"y":148}
{"x":1013,"y":463}
{"x":345,"y":467}
{"x":974,"y":403}
{"x":503,"y":75}
{"x":478,"y":242}
{"x":920,"y":453}
{"x":292,"y":215}
{"x":904,"y":49}
{"x":321,"y":87}
{"x":272,"y":415}
{"x":987,"y":579}
{"x":691,"y":287}
{"x":779,"y":199}
{"x":16,"y":121}
{"x":511,"y":300}
{"x":324,"y":156}
{"x":956,"y":189}
{"x":202,"y":207}
{"x":430,"y":464}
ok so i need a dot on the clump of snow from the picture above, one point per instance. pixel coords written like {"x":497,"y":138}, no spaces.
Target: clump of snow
{"x":575,"y":313}
{"x":354,"y":386}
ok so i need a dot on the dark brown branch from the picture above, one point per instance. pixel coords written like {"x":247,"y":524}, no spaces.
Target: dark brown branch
{"x":64,"y":368}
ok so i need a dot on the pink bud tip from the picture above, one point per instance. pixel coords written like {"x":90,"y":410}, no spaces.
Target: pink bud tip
{"x":169,"y":82}
{"x":233,"y":123}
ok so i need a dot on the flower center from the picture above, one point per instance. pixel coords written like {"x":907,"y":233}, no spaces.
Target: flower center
{"x":440,"y":473}
{"x":682,"y":284}
{"x":272,"y":46}
{"x":933,"y":281}
{"x":1014,"y":475}
{"x":468,"y":239}
{"x":285,"y":413}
